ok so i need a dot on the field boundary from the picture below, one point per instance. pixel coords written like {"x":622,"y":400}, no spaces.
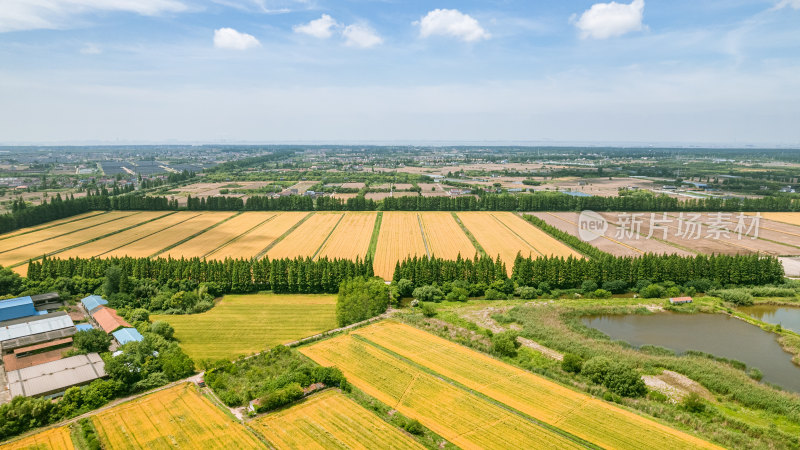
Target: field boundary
{"x":373,"y":241}
{"x":261,"y":254}
{"x":424,"y":238}
{"x":87,"y":242}
{"x":231,"y":241}
{"x":517,"y":234}
{"x":54,"y":225}
{"x":155,"y":232}
{"x":321,"y":246}
{"x":466,"y":231}
{"x":480,"y":395}
{"x":170,"y":247}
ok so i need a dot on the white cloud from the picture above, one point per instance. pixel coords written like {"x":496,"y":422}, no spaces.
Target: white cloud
{"x":18,"y":15}
{"x":605,"y":20}
{"x":361,"y":36}
{"x":91,"y":49}
{"x":230,"y":39}
{"x":794,"y":4}
{"x":451,"y":23}
{"x":321,"y":28}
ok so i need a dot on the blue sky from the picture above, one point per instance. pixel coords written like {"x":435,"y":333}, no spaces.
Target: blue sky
{"x":643,"y":71}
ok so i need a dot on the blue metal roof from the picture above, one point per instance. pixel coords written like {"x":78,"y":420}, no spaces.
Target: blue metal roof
{"x":15,"y":308}
{"x":93,"y":302}
{"x":84,"y":327}
{"x":12,"y":302}
{"x":125,"y":335}
{"x":577,"y":194}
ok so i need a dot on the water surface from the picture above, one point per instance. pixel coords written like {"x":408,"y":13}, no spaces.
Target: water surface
{"x":786,"y":316}
{"x":717,"y":334}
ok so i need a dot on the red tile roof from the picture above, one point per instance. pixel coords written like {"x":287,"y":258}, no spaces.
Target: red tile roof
{"x":109,"y":320}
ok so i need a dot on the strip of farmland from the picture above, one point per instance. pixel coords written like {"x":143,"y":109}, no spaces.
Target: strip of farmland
{"x":52,"y":439}
{"x":330,"y":420}
{"x":495,"y":238}
{"x":571,"y":411}
{"x":399,"y":238}
{"x":61,"y":230}
{"x":543,"y":242}
{"x":52,"y":246}
{"x":444,"y":236}
{"x":55,"y":223}
{"x":351,"y":237}
{"x":107,"y":244}
{"x":157,"y":242}
{"x":177,"y":417}
{"x":455,"y":414}
{"x":306,"y":239}
{"x":218,"y":236}
{"x":254,"y":242}
{"x":791,"y":218}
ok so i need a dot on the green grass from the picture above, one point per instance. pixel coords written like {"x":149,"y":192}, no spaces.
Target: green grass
{"x":245,"y":324}
{"x":373,"y":242}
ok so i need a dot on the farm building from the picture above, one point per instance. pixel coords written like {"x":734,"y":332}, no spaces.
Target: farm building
{"x":15,"y":308}
{"x":109,"y":320}
{"x":680,"y":300}
{"x":51,"y":300}
{"x":125,"y":335}
{"x":53,"y":378}
{"x":36,"y":354}
{"x":35,"y":330}
{"x":93,"y":302}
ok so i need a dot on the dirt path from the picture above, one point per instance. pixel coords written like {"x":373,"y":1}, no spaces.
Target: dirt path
{"x":676,"y":386}
{"x":483,"y":317}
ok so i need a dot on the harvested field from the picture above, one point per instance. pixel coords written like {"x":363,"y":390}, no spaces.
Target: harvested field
{"x":538,"y":239}
{"x":400,"y":237}
{"x":576,"y":413}
{"x":155,"y":243}
{"x":496,"y":239}
{"x":459,"y":416}
{"x":113,"y":242}
{"x":50,"y":246}
{"x":302,"y":186}
{"x":354,"y":185}
{"x":178,"y":417}
{"x":254,"y":242}
{"x":770,"y":237}
{"x":444,"y":236}
{"x":52,"y":224}
{"x":330,"y":420}
{"x":791,"y":218}
{"x":306,"y":239}
{"x":52,"y":439}
{"x":351,"y":237}
{"x":43,"y":234}
{"x":220,"y":235}
{"x":245,"y":324}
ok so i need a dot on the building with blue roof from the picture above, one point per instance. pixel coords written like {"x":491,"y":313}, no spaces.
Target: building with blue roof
{"x":125,"y":335}
{"x":84,"y":327}
{"x":93,"y":303}
{"x":15,"y":308}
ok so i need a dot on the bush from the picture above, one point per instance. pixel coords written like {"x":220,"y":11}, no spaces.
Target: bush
{"x":755,"y":374}
{"x":739,"y":297}
{"x":701,"y":284}
{"x":657,"y":397}
{"x":693,"y":403}
{"x":505,"y":344}
{"x":280,"y":397}
{"x":428,"y":310}
{"x":618,"y":378}
{"x":572,"y":363}
{"x":615,"y":286}
{"x":360,"y":299}
{"x":527,"y":293}
{"x":601,"y":293}
{"x":163,"y":329}
{"x":414,"y":427}
{"x":652,"y":291}
{"x":428,"y":293}
{"x":589,"y":286}
{"x":457,"y":294}
{"x":404,"y":287}
{"x":492,"y":294}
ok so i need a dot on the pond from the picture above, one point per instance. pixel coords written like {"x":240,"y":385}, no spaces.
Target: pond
{"x":786,"y":316}
{"x":716,"y":334}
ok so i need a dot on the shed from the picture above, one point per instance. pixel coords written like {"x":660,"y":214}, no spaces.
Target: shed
{"x":92,"y":302}
{"x":15,"y":308}
{"x":680,"y":300}
{"x":20,"y":333}
{"x":109,"y":320}
{"x":125,"y":335}
{"x":55,"y":377}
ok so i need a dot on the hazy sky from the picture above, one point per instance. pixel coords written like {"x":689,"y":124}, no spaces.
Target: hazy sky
{"x":666,"y":71}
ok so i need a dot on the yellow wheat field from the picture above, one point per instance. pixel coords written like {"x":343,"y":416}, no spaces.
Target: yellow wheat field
{"x":213,"y":239}
{"x":495,"y":238}
{"x":541,"y":241}
{"x":791,"y":218}
{"x":105,"y":245}
{"x":400,"y":237}
{"x":50,"y":233}
{"x":177,"y":417}
{"x":306,"y":239}
{"x":163,"y":239}
{"x":445,"y":237}
{"x":253,"y":243}
{"x":52,"y":224}
{"x":330,"y":420}
{"x":34,"y":251}
{"x":351,"y":238}
{"x":52,"y":439}
{"x":576,"y":413}
{"x":455,"y":414}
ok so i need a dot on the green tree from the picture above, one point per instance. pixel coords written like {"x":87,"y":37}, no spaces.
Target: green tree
{"x":90,"y":341}
{"x":360,"y":298}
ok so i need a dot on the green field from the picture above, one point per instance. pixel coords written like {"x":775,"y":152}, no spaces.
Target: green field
{"x":244,"y":324}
